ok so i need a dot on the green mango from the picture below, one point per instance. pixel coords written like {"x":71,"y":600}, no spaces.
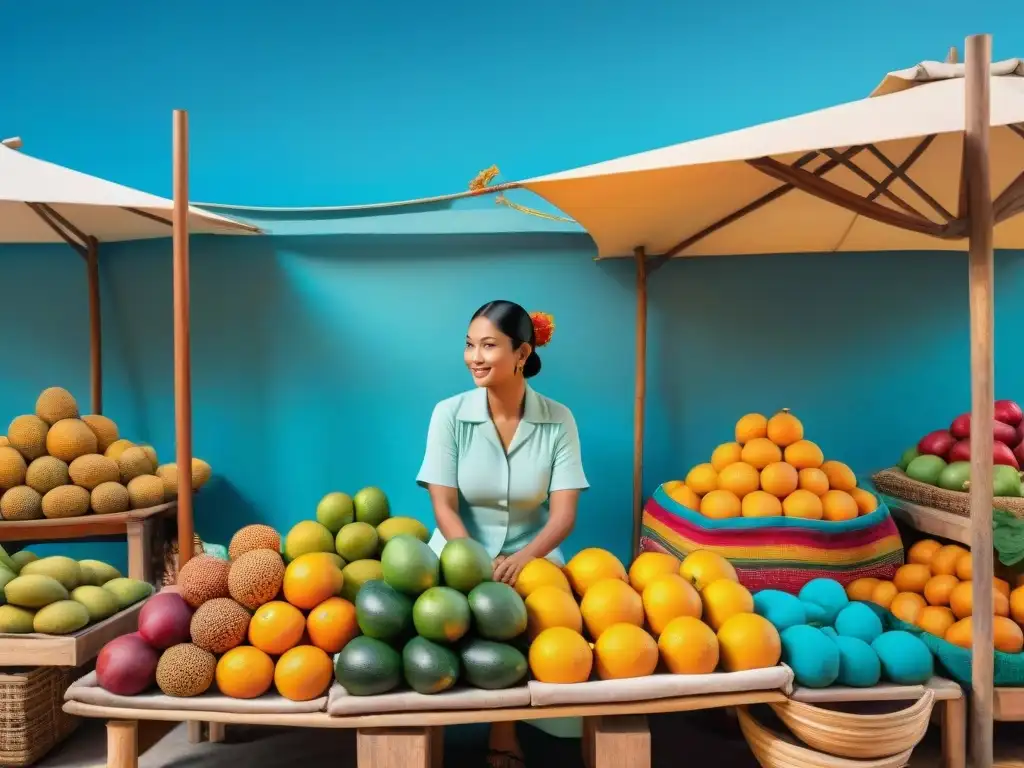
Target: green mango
{"x":1005,"y":481}
{"x":954,"y":476}
{"x":926,"y":469}
{"x":908,"y":456}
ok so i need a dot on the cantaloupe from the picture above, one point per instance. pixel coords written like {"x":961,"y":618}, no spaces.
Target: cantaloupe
{"x":116,"y":448}
{"x":70,"y":438}
{"x":133,"y":462}
{"x":55,"y":404}
{"x":12,"y":467}
{"x":109,"y":498}
{"x":145,"y":491}
{"x":105,"y":430}
{"x":93,"y":469}
{"x":28,"y":435}
{"x":46,"y":473}
{"x":66,"y":501}
{"x":21,"y":503}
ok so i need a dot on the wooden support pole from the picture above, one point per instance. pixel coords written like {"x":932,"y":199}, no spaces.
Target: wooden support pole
{"x":979,"y":196}
{"x":182,"y":361}
{"x":640,"y":397}
{"x":953,"y":56}
{"x":92,"y":266}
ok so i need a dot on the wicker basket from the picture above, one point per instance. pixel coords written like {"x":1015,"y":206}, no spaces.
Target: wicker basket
{"x":773,"y":750}
{"x":32,"y":718}
{"x":864,"y":737}
{"x":170,"y":564}
{"x":895,"y":482}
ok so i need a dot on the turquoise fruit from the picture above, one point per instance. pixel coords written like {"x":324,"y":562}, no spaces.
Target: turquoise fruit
{"x":857,"y":620}
{"x":905,"y":658}
{"x":859,"y":666}
{"x":782,"y":609}
{"x":825,"y":599}
{"x":812,"y":656}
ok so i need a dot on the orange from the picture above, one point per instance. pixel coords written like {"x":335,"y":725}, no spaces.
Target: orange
{"x":784,"y":428}
{"x":688,"y":646}
{"x":560,"y":655}
{"x":960,"y":634}
{"x":541,"y":572}
{"x":867,"y":502}
{"x":961,"y":601}
{"x":1000,"y":604}
{"x":680,"y":493}
{"x":702,"y":479}
{"x":943,"y":562}
{"x":884,"y":594}
{"x":723,"y":599}
{"x":739,"y":478}
{"x":625,"y":650}
{"x":938,"y":588}
{"x":936,"y":620}
{"x":803,"y":454}
{"x":310,"y":579}
{"x":751,"y":427}
{"x":840,"y":477}
{"x":591,"y":565}
{"x":725,"y":454}
{"x":779,"y":479}
{"x":760,"y":452}
{"x":721,"y":505}
{"x":760,"y":504}
{"x":1002,"y":586}
{"x":668,"y":597}
{"x":548,"y":607}
{"x":923,"y":551}
{"x":748,"y":641}
{"x":861,"y":589}
{"x":802,"y":504}
{"x":838,"y":506}
{"x":1006,"y":635}
{"x":907,"y":606}
{"x":911,"y":578}
{"x":702,"y":566}
{"x":244,"y":673}
{"x":276,"y":626}
{"x":1017,"y":605}
{"x":331,"y":624}
{"x":609,"y":602}
{"x":650,"y":565}
{"x":303,"y":673}
{"x":813,"y":480}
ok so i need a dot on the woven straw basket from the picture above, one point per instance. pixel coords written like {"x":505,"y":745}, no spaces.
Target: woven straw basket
{"x":864,"y":737}
{"x":32,"y":719}
{"x":774,"y":750}
{"x":895,"y":482}
{"x":171,"y":558}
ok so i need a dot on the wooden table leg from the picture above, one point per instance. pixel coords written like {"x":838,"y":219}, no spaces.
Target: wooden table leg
{"x":140,"y":549}
{"x":954,"y":733}
{"x":587,"y":740}
{"x":436,"y":734}
{"x":393,"y":748}
{"x":216,"y":732}
{"x":122,"y":744}
{"x":622,"y":741}
{"x":195,"y":731}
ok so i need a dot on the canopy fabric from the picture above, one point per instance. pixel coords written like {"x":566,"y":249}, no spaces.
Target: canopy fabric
{"x":895,"y":155}
{"x":33,"y":192}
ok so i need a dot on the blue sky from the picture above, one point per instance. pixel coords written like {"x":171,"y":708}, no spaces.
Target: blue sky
{"x":309,"y":102}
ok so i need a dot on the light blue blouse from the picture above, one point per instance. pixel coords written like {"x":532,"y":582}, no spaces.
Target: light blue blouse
{"x":503,"y":499}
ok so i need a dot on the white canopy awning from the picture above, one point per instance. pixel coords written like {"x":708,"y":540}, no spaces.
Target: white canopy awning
{"x":895,"y":156}
{"x":38,"y":197}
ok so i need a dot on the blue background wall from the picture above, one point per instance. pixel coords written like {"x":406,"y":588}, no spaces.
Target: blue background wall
{"x":316,"y":359}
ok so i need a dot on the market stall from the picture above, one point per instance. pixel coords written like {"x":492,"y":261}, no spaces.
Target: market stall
{"x":931,"y":161}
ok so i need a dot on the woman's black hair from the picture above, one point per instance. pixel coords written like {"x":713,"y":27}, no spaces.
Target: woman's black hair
{"x":516,"y":323}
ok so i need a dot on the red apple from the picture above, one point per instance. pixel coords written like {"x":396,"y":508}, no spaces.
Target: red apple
{"x":961,"y":426}
{"x":936,"y":443}
{"x":961,"y":451}
{"x":1001,"y":454}
{"x":1004,"y":433}
{"x":1009,"y":412}
{"x":1018,"y":453}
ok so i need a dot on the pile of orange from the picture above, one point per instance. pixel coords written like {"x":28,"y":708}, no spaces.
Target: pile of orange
{"x":933,"y":591}
{"x":769,"y":470}
{"x":291,"y":639}
{"x":686,"y":617}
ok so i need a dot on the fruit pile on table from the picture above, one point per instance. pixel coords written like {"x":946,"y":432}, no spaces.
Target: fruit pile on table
{"x":769,"y":470}
{"x":942,"y":457}
{"x":58,"y":595}
{"x":933,"y":592}
{"x":55,"y":463}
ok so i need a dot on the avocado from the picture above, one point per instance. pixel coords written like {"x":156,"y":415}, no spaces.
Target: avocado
{"x":441,"y":614}
{"x":926,"y":469}
{"x":383,"y":612}
{"x":498,"y":611}
{"x":491,"y":665}
{"x":464,"y":564}
{"x":429,"y":667}
{"x":409,"y":565}
{"x":368,"y":667}
{"x":954,"y":477}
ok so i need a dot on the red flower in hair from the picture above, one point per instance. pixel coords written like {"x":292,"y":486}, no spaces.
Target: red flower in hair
{"x":543,"y":327}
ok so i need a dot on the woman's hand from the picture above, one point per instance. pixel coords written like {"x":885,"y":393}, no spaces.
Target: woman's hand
{"x":507,"y":569}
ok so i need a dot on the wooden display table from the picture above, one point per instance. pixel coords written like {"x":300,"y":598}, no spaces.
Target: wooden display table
{"x":934,"y":522}
{"x":67,"y":650}
{"x":615,"y":735}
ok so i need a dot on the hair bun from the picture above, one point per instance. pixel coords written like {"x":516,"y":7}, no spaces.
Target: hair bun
{"x":543,"y":327}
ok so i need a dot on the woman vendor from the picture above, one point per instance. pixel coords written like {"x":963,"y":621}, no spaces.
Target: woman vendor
{"x":502,"y":462}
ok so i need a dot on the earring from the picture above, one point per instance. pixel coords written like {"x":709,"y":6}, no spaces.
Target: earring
{"x":519,"y":368}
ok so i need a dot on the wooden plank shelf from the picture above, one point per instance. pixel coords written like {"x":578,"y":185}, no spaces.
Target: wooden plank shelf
{"x":67,"y":650}
{"x":116,"y":524}
{"x":934,"y":522}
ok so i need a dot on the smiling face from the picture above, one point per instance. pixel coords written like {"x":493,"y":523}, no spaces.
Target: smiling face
{"x":489,"y":354}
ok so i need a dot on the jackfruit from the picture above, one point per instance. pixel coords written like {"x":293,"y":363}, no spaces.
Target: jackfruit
{"x":70,"y":438}
{"x":21,"y":503}
{"x":65,"y":570}
{"x":145,"y":491}
{"x":46,"y":473}
{"x":185,"y":670}
{"x":219,"y":625}
{"x":203,"y":578}
{"x":116,"y":448}
{"x":93,"y":469}
{"x":66,"y":501}
{"x":105,"y":430}
{"x":12,"y":467}
{"x":60,"y":618}
{"x":252,"y":537}
{"x":132,"y":463}
{"x":28,"y":435}
{"x":108,"y":498}
{"x":54,"y":404}
{"x":256,"y":577}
